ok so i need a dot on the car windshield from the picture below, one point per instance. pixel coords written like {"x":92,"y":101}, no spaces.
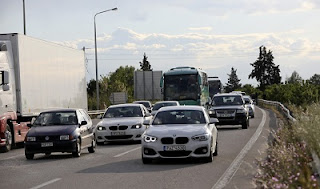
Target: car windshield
{"x":179,"y":117}
{"x":129,"y":111}
{"x":56,"y":118}
{"x":227,"y":100}
{"x":160,"y":105}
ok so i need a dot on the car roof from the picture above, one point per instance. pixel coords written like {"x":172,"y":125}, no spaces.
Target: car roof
{"x":62,"y":110}
{"x":228,"y":94}
{"x":125,"y":105}
{"x":188,"y":107}
{"x":160,"y":102}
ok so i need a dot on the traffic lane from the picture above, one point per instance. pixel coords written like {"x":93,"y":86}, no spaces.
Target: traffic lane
{"x":128,"y":171}
{"x":243,"y":178}
{"x":18,"y":172}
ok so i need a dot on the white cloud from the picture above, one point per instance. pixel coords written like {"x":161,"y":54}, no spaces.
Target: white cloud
{"x":200,"y":29}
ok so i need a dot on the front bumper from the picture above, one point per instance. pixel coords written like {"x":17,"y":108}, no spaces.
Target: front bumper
{"x":237,"y":119}
{"x":194,"y":149}
{"x":57,"y":146}
{"x":119,"y":135}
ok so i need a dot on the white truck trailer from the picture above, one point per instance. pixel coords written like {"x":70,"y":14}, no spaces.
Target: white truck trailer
{"x":36,"y":75}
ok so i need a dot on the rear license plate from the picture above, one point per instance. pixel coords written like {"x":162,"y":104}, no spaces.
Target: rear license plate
{"x":117,"y":133}
{"x":46,"y":144}
{"x":174,"y":148}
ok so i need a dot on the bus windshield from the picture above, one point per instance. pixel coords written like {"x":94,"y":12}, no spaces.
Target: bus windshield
{"x":181,"y":87}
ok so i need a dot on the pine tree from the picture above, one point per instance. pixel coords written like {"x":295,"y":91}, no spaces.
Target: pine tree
{"x":233,"y":81}
{"x":145,"y":65}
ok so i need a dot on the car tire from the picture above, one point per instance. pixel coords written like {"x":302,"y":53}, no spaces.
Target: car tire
{"x":92,"y":148}
{"x":29,"y":156}
{"x":146,"y":160}
{"x":99,"y":143}
{"x":9,"y":139}
{"x":48,"y":153}
{"x":245,"y":125}
{"x":210,"y":158}
{"x":215,"y":153}
{"x":77,"y":153}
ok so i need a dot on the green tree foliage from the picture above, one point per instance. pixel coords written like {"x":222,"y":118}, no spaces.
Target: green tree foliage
{"x":294,"y":78}
{"x":119,"y":81}
{"x":315,"y":79}
{"x":145,"y":64}
{"x":233,"y":81}
{"x":264,"y":70}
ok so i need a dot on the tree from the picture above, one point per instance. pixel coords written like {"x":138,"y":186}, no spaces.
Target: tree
{"x":233,"y":81}
{"x":264,"y":70}
{"x":315,"y":79}
{"x":294,"y":78}
{"x":145,"y":65}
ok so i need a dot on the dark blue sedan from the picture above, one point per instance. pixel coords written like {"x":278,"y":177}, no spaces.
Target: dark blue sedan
{"x":63,"y":130}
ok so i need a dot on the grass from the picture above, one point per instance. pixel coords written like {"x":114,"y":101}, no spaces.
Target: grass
{"x":289,"y":163}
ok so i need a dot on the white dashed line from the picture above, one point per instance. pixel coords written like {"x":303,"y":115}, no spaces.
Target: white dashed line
{"x":127,"y":152}
{"x":46,"y":183}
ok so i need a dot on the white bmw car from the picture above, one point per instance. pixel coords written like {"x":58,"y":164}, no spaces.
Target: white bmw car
{"x":180,"y":132}
{"x":122,"y":122}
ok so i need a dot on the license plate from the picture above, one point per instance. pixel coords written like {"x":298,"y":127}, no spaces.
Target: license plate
{"x":117,"y":133}
{"x":226,"y":115}
{"x":174,"y":148}
{"x":47,"y":144}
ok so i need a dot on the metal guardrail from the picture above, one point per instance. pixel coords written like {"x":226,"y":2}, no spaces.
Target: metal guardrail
{"x":280,"y":107}
{"x":96,"y":112}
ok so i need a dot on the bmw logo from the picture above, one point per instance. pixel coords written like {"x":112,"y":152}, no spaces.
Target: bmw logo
{"x":174,"y":135}
{"x":47,"y":138}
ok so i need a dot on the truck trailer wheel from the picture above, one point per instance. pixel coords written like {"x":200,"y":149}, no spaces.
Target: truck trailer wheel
{"x":8,"y":136}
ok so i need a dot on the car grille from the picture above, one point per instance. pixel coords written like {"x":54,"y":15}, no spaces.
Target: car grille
{"x":225,"y":111}
{"x":174,"y":153}
{"x":167,"y":140}
{"x":178,"y":140}
{"x":182,"y":140}
{"x":51,"y":138}
{"x":122,"y":127}
{"x":118,"y":137}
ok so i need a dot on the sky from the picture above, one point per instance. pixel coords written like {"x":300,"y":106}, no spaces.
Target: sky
{"x":212,"y":35}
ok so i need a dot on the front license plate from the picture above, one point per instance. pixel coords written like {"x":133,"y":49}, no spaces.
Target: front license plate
{"x":117,"y":133}
{"x":174,"y":148}
{"x":46,"y":144}
{"x":226,"y":115}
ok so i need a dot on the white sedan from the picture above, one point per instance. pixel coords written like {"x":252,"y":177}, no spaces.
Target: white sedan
{"x":180,"y":132}
{"x":122,"y":122}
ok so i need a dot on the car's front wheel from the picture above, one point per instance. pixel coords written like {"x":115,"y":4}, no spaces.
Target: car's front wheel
{"x":146,"y":160}
{"x":92,"y":148}
{"x":77,"y":153}
{"x":245,"y":125}
{"x":29,"y":156}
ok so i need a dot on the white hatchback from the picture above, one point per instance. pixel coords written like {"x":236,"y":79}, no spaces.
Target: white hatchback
{"x":122,"y":122}
{"x":180,"y":132}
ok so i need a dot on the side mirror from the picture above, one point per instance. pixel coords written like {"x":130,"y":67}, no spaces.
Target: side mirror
{"x":146,"y":122}
{"x":29,"y":125}
{"x":32,"y":121}
{"x":147,"y":114}
{"x":83,"y":123}
{"x":214,"y":120}
{"x":5,"y":79}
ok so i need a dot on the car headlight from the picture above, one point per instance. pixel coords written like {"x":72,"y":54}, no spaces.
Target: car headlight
{"x":202,"y":137}
{"x":100,"y":128}
{"x":136,"y":126}
{"x":212,"y":112}
{"x":64,"y":137}
{"x":242,"y":111}
{"x":148,"y":138}
{"x":31,"y":139}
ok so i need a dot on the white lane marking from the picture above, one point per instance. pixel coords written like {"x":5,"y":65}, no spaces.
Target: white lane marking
{"x":127,"y":152}
{"x":46,"y":183}
{"x":232,"y":169}
{"x":12,"y":157}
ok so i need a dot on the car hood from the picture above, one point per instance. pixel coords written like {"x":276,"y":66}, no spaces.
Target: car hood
{"x":52,"y":130}
{"x":121,"y":121}
{"x":176,"y":129}
{"x":231,"y":107}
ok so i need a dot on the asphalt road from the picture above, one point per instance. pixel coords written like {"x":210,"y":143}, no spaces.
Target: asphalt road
{"x":119,"y":165}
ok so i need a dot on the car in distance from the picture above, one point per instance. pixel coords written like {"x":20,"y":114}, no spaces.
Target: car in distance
{"x":180,"y":132}
{"x":123,"y":122}
{"x":146,"y":103}
{"x":63,"y":130}
{"x":250,"y":105}
{"x":229,"y":109}
{"x":161,"y":104}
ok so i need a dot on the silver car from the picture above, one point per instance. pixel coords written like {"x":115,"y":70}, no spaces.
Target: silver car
{"x":161,"y":104}
{"x":249,"y":105}
{"x":122,"y":122}
{"x":180,"y":132}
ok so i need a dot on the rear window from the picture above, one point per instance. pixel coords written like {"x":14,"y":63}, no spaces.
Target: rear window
{"x":160,"y":105}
